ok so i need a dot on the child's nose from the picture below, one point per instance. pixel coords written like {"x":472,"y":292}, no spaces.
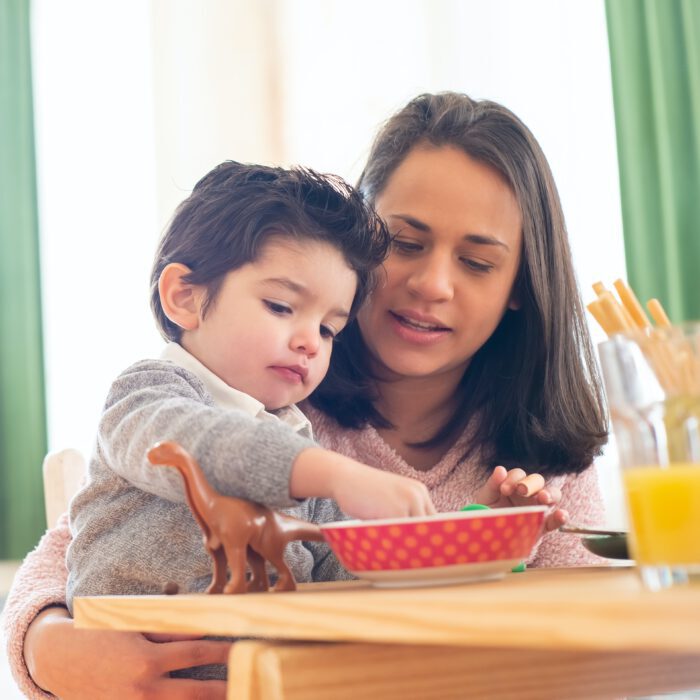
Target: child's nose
{"x":306,"y":340}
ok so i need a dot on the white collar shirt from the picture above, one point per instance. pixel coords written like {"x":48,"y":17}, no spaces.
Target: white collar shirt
{"x":227,"y":397}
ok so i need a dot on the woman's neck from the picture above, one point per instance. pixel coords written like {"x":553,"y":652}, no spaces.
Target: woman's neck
{"x":417,"y":408}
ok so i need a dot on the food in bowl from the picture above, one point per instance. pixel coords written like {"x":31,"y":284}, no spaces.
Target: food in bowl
{"x":443,"y":548}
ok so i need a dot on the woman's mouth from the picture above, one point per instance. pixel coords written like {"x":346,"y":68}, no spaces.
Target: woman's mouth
{"x":418,"y":330}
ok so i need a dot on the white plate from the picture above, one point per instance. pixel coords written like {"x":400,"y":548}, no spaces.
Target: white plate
{"x":439,"y":575}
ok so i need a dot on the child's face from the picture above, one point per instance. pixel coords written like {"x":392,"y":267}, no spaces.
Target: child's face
{"x":269,"y":333}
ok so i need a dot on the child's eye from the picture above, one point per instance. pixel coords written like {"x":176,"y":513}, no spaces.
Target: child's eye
{"x":328,"y":332}
{"x":402,"y":245}
{"x":276,"y":307}
{"x":477,"y":266}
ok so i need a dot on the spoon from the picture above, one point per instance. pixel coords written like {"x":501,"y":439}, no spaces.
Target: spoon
{"x":580,"y":530}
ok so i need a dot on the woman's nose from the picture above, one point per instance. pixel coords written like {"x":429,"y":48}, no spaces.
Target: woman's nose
{"x":431,"y":279}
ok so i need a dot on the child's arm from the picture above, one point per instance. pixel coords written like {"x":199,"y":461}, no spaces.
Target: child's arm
{"x":240,"y":455}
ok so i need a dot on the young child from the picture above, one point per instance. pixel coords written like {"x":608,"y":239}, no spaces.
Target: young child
{"x":257,"y":273}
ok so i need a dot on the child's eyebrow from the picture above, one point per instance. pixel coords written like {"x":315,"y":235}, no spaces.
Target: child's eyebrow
{"x":302,"y":291}
{"x":288,"y":284}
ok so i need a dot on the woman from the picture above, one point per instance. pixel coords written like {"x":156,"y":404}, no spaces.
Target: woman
{"x":472,"y":353}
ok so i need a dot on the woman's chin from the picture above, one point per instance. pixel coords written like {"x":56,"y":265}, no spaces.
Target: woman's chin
{"x":392,"y":370}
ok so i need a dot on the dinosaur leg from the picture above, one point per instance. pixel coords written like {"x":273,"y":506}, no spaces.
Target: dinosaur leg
{"x":258,"y":580}
{"x":218,"y":580}
{"x":285,"y":578}
{"x":236,"y":555}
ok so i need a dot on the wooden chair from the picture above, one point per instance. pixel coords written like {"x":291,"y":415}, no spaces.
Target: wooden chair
{"x":63,"y":473}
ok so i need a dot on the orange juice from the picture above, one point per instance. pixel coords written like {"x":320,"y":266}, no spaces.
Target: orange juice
{"x":664,"y":510}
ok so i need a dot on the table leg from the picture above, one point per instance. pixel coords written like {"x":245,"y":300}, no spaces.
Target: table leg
{"x":262,"y":670}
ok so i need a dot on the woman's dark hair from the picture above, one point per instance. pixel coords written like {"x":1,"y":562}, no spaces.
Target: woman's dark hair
{"x":234,"y":210}
{"x":531,"y":394}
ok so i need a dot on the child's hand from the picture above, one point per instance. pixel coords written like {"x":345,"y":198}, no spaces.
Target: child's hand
{"x":514,"y":487}
{"x":359,"y":490}
{"x":369,"y":493}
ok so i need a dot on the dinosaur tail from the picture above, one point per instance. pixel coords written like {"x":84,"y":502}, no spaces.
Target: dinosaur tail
{"x":298,"y":529}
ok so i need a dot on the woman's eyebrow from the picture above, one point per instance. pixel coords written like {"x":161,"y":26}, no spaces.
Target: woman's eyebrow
{"x":413,"y":222}
{"x":478,"y":238}
{"x":481,"y":239}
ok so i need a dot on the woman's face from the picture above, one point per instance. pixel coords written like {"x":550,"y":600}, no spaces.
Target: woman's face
{"x":450,"y":274}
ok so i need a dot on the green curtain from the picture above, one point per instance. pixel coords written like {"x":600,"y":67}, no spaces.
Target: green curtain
{"x":22,"y":403}
{"x":655,"y":60}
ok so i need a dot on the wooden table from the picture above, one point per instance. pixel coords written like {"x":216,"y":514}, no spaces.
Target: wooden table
{"x":556,"y":633}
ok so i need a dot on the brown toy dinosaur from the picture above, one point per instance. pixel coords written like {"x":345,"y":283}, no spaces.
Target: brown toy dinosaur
{"x":235,"y":530}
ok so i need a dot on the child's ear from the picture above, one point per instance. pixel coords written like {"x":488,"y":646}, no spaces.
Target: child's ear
{"x":181,"y":300}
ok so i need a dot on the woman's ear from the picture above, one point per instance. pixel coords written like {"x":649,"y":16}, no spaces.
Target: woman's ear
{"x":181,"y":300}
{"x":515,"y":301}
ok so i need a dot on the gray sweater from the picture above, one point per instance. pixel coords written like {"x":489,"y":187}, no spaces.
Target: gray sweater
{"x":132,"y":529}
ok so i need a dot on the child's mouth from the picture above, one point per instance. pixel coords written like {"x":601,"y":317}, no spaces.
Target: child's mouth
{"x":292,"y":374}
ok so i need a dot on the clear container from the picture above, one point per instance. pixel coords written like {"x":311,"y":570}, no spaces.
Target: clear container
{"x":652,"y":381}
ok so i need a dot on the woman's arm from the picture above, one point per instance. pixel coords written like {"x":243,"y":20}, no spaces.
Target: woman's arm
{"x":48,"y":656}
{"x":78,"y":664}
{"x":39,"y":583}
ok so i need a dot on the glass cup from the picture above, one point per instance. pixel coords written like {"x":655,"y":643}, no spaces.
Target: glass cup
{"x":652,"y":382}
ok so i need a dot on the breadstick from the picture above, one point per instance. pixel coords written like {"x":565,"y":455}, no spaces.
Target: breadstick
{"x":598,"y":313}
{"x":599,"y":288}
{"x":631,"y":303}
{"x":615,"y":313}
{"x":620,"y":310}
{"x":529,"y":485}
{"x":657,"y":313}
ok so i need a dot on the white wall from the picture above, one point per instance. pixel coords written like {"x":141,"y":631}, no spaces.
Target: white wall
{"x":96,"y":177}
{"x":136,"y":100}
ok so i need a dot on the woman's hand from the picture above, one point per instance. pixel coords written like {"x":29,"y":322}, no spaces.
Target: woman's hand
{"x":78,"y":664}
{"x":513,"y":487}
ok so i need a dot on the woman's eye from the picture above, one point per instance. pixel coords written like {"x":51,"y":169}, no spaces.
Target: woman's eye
{"x":403,"y":246}
{"x":477,"y":266}
{"x":276,"y":307}
{"x":327,"y":332}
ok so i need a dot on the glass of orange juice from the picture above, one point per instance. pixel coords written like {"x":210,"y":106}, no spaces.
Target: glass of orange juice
{"x":652,"y":382}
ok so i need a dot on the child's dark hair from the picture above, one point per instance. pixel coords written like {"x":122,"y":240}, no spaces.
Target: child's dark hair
{"x":531,"y":395}
{"x":233,"y":211}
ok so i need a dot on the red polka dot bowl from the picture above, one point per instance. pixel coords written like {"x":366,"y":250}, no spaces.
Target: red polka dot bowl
{"x":436,"y":549}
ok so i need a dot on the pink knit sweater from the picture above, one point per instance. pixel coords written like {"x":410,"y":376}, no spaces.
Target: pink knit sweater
{"x":41,"y":581}
{"x":453,"y":483}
